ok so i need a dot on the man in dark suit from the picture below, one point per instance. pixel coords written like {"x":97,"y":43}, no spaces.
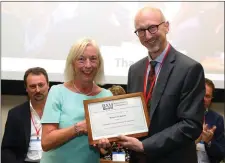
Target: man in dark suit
{"x":211,"y":143}
{"x":22,"y":138}
{"x":174,"y":93}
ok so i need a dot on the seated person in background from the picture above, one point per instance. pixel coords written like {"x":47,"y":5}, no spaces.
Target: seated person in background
{"x":107,"y":154}
{"x":64,"y":135}
{"x":211,"y":143}
{"x":117,"y":90}
{"x":22,"y":138}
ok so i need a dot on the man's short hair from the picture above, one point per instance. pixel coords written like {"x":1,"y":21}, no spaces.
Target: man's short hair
{"x":210,"y":84}
{"x":35,"y":71}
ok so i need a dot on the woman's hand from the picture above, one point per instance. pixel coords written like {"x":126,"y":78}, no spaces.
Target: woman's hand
{"x":81,"y":127}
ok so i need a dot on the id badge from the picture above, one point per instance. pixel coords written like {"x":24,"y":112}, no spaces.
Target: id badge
{"x":35,"y":143}
{"x":118,"y":156}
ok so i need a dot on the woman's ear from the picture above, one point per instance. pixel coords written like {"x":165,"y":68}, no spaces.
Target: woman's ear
{"x":73,"y":68}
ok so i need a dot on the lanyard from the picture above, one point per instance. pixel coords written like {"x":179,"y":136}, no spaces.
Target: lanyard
{"x":37,"y":130}
{"x":148,"y":96}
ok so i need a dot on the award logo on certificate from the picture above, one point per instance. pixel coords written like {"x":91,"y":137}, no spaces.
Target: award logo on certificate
{"x":112,"y":116}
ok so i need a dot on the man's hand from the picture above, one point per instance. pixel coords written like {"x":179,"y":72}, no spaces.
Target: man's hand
{"x":131,"y":143}
{"x":207,"y":134}
{"x":103,"y":143}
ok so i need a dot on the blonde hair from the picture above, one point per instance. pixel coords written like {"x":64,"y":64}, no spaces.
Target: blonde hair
{"x":78,"y":49}
{"x":117,"y":90}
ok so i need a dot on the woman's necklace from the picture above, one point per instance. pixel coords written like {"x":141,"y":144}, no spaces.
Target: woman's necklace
{"x":82,"y":92}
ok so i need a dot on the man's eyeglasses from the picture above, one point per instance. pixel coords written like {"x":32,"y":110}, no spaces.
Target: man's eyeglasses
{"x":152,"y":29}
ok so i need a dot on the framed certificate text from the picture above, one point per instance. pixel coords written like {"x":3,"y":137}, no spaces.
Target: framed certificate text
{"x":112,"y":116}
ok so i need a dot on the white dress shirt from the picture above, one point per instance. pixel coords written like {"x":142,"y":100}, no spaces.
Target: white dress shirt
{"x":159,"y":61}
{"x":34,"y":153}
{"x":201,"y":153}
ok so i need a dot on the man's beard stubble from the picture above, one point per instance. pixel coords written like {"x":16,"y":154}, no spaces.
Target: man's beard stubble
{"x":39,"y":97}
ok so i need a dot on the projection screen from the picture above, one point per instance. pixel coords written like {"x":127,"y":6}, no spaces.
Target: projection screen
{"x":41,"y":34}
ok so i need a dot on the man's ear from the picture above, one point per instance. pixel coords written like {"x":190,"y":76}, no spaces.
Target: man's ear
{"x":167,"y":25}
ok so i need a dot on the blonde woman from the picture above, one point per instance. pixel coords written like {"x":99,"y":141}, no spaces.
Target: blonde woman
{"x":64,"y":135}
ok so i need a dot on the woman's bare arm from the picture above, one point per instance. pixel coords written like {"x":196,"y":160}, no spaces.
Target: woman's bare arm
{"x":52,"y":136}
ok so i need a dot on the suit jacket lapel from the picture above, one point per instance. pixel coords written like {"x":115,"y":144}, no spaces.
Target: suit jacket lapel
{"x":142,"y":72}
{"x":162,"y":80}
{"x":27,"y":122}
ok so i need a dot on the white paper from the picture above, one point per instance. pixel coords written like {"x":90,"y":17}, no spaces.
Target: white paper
{"x":115,"y":117}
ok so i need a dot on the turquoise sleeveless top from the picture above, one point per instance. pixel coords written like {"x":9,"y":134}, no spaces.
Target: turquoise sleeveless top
{"x":65,"y":107}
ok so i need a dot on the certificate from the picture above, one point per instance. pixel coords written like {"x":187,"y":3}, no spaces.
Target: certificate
{"x":110,"y":117}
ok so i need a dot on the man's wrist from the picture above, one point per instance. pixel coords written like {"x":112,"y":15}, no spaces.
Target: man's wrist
{"x":208,"y":144}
